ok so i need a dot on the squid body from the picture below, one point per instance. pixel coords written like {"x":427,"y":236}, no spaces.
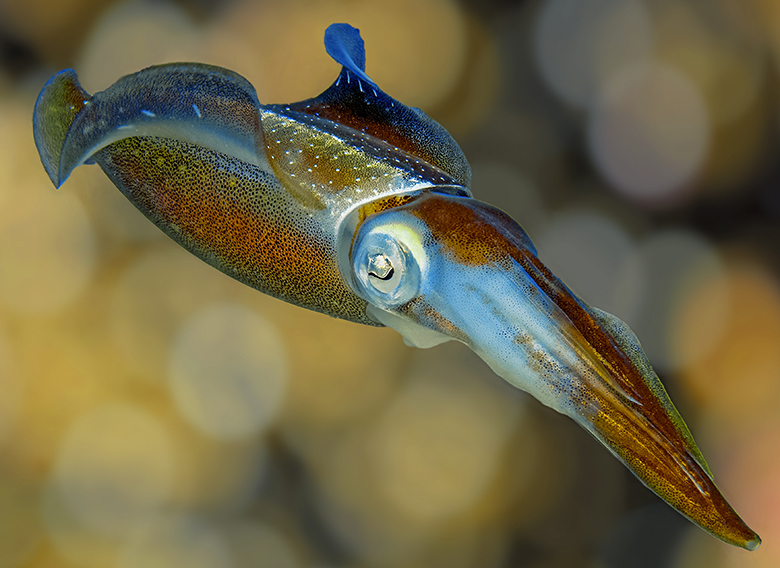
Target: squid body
{"x":359,"y":207}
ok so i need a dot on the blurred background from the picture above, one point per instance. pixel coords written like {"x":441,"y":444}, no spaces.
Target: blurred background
{"x":156,"y":414}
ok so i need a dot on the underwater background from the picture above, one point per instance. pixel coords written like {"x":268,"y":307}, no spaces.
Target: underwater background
{"x":155,"y":413}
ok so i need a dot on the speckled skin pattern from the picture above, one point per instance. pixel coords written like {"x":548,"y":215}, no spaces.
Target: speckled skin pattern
{"x":609,"y":388}
{"x":271,"y":223}
{"x":294,"y":200}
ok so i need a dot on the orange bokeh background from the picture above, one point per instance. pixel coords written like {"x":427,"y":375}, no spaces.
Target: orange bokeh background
{"x":155,"y":413}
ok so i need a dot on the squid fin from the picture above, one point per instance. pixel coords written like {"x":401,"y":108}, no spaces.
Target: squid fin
{"x":354,"y":100}
{"x":58,"y":104}
{"x":189,"y":102}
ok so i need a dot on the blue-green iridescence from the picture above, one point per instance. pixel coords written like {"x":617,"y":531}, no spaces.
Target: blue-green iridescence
{"x":357,"y":206}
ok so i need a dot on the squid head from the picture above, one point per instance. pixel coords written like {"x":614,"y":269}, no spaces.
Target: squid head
{"x":357,"y":206}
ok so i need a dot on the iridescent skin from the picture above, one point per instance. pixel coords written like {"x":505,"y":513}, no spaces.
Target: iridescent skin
{"x":357,"y":206}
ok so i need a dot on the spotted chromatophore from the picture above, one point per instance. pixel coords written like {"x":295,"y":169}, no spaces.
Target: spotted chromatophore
{"x":357,"y":206}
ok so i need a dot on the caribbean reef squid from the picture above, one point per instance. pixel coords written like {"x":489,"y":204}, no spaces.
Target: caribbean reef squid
{"x":359,"y":207}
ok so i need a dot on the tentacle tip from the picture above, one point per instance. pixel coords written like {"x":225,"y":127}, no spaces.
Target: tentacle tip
{"x":737,"y":533}
{"x":753,"y":543}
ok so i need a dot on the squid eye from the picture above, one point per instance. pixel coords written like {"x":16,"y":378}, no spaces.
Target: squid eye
{"x":379,"y":266}
{"x":385,"y":269}
{"x":382,"y":273}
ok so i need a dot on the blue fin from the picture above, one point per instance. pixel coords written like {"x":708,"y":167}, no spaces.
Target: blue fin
{"x":354,"y":100}
{"x":344,"y":44}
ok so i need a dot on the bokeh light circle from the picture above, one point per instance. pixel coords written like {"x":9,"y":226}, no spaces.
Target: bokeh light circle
{"x":580,"y":44}
{"x":437,"y":446}
{"x":114,"y":468}
{"x":738,"y":377}
{"x":649,"y":133}
{"x":228,"y":370}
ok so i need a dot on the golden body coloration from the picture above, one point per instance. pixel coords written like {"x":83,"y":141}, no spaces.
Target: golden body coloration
{"x":357,"y":206}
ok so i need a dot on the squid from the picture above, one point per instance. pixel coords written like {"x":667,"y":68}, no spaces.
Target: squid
{"x":357,"y":206}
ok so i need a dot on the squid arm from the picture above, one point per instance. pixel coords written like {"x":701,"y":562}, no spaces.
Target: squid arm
{"x":357,"y":206}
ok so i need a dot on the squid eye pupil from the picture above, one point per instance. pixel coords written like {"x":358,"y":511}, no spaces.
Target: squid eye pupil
{"x":379,"y":266}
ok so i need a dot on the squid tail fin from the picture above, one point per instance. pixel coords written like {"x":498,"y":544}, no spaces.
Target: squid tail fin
{"x":58,"y":105}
